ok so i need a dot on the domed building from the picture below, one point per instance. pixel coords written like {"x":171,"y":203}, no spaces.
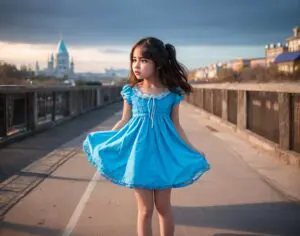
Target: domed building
{"x":59,"y":66}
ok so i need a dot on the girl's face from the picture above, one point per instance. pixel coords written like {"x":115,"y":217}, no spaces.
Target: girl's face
{"x":142,"y":68}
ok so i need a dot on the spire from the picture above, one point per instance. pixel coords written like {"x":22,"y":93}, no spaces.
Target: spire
{"x":61,"y":48}
{"x":72,"y":66}
{"x":37,"y":68}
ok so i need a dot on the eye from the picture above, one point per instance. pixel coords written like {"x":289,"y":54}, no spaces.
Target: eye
{"x":144,"y":60}
{"x":133,"y":60}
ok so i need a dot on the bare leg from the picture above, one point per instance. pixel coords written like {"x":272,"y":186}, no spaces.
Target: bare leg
{"x":145,"y":211}
{"x":162,"y":199}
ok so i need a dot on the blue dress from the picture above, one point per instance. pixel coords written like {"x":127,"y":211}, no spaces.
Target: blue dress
{"x":147,"y":152}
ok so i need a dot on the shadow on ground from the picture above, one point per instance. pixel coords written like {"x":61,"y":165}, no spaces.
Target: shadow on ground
{"x":29,"y":229}
{"x":20,"y":154}
{"x":261,"y":219}
{"x":281,"y":218}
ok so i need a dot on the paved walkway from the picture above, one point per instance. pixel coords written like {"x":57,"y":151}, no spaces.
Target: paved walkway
{"x":246,"y":192}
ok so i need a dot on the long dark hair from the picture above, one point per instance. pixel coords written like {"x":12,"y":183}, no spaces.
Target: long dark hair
{"x":172,"y":74}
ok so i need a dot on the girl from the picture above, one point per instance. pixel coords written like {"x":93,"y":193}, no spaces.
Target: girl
{"x":147,"y":150}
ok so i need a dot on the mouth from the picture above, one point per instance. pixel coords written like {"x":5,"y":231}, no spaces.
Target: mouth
{"x":137,"y":73}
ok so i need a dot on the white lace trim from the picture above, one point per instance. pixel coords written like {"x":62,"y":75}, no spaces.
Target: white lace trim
{"x":145,"y":95}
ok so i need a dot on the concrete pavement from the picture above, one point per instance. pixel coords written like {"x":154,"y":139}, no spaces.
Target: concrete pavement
{"x":245,"y":193}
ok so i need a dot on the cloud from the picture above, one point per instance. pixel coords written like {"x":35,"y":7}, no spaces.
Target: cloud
{"x":198,"y":56}
{"x":114,"y":51}
{"x":85,"y":58}
{"x":95,"y":59}
{"x":100,"y":34}
{"x":104,"y":22}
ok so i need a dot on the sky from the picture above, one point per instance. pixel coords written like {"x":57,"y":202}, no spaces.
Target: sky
{"x":100,"y":34}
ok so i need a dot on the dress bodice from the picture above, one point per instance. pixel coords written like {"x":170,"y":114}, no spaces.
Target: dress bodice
{"x":151,"y":105}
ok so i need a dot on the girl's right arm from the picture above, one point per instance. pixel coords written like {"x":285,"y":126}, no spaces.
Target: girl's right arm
{"x":125,"y":116}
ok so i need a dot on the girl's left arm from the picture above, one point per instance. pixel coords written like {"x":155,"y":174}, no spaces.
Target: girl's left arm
{"x":175,"y":118}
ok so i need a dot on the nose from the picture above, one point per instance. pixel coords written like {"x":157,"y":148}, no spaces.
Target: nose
{"x":137,"y":65}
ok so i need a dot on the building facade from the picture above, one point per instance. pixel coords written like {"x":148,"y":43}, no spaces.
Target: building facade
{"x":258,"y":62}
{"x":201,"y":74}
{"x":273,"y":50}
{"x":289,"y":61}
{"x":237,"y":64}
{"x":294,"y":41}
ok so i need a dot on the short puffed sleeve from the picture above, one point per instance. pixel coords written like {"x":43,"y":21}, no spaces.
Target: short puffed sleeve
{"x":178,"y":98}
{"x":126,"y":93}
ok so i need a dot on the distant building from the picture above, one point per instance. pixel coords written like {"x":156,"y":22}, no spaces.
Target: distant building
{"x":289,"y":61}
{"x":237,"y":64}
{"x":201,"y":73}
{"x":294,"y":41}
{"x":285,"y":55}
{"x":273,"y":50}
{"x":258,"y":62}
{"x":209,"y":72}
{"x":59,"y":66}
{"x":213,"y":70}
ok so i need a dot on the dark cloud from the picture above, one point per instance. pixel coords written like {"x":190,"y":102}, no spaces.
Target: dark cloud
{"x":97,"y":22}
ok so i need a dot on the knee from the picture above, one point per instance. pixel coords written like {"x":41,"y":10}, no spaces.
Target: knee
{"x":146,"y":212}
{"x":163,"y":208}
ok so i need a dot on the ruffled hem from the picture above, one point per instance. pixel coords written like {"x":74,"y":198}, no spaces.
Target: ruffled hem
{"x":106,"y":174}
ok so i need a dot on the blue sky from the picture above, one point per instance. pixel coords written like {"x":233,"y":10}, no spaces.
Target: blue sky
{"x":100,"y":34}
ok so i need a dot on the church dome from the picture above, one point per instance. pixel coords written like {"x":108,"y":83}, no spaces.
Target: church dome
{"x":62,"y":49}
